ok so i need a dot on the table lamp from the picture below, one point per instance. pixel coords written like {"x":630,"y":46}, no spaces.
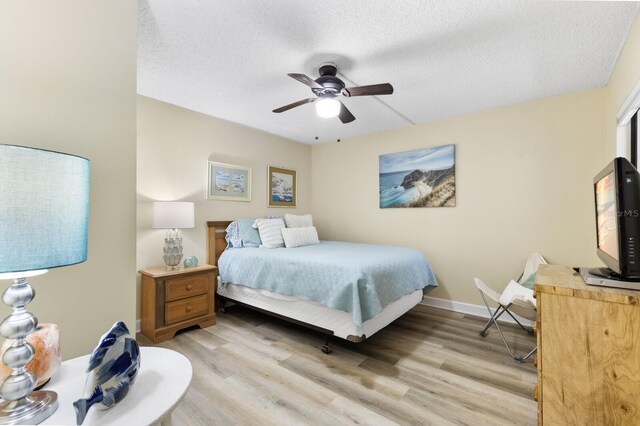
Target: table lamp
{"x":173,"y":215}
{"x":44,"y":204}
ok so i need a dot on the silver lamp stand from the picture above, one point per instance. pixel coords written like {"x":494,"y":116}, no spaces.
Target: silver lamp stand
{"x":21,"y":405}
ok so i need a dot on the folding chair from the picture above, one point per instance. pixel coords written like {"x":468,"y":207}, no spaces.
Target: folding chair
{"x":515,"y":299}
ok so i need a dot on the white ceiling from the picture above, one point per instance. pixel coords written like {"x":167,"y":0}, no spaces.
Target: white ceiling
{"x":230,"y":59}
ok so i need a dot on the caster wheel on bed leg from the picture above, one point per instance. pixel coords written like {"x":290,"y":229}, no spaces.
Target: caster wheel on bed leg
{"x":326,"y":349}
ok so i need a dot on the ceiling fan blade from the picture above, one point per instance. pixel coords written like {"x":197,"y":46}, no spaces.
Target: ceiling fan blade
{"x":305,"y":79}
{"x":372,"y":90}
{"x":345,"y":115}
{"x":295,"y":104}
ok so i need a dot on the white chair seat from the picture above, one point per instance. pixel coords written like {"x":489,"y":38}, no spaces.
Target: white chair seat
{"x":518,"y":295}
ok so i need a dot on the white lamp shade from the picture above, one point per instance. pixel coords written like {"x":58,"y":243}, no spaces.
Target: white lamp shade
{"x":44,"y":209}
{"x":327,"y":107}
{"x":173,"y":214}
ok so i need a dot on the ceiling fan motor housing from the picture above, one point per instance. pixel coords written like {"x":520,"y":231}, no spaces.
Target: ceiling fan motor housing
{"x":328,"y":69}
{"x":331,"y":85}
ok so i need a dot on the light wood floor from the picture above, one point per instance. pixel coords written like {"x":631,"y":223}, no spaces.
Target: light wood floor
{"x":428,"y":367}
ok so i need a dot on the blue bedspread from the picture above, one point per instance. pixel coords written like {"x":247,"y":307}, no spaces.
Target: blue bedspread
{"x":357,"y":278}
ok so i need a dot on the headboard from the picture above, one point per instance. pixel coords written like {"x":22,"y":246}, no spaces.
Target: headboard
{"x":216,"y":243}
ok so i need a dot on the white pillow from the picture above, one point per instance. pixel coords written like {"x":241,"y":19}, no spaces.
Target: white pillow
{"x":297,"y":237}
{"x":269,"y":230}
{"x":298,"y":221}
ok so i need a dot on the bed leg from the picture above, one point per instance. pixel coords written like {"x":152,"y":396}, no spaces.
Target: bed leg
{"x":222,"y":304}
{"x":326,"y":348}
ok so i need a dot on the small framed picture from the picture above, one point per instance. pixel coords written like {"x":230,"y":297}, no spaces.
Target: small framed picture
{"x":282,"y":187}
{"x":228,"y":182}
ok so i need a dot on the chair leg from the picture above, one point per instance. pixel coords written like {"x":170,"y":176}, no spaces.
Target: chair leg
{"x":494,"y":319}
{"x":514,"y":356}
{"x":493,"y":315}
{"x":526,"y":356}
{"x":497,"y":314}
{"x":530,"y":331}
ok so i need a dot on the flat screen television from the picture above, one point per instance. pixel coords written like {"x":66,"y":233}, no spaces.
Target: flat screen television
{"x":617,"y":197}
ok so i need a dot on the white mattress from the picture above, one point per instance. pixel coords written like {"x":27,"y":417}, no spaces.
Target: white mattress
{"x":340,"y":322}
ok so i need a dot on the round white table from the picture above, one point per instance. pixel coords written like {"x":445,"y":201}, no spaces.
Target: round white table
{"x":162,"y":381}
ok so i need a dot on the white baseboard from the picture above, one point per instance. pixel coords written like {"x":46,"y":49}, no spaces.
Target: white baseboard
{"x":137,"y":326}
{"x":470,"y":309}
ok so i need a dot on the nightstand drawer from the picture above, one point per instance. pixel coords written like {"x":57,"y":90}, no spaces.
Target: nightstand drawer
{"x":179,"y":288}
{"x":185,"y":309}
{"x":172,"y":300}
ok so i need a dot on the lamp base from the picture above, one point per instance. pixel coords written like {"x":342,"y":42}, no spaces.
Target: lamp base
{"x":32,"y":409}
{"x":173,"y":249}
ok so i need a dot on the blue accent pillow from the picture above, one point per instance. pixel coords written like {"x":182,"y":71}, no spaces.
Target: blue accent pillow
{"x":233,"y":235}
{"x":529,"y":282}
{"x":249,"y":235}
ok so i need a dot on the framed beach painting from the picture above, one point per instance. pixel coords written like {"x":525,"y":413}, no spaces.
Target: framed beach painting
{"x":228,"y":182}
{"x":420,"y":178}
{"x":282,"y":187}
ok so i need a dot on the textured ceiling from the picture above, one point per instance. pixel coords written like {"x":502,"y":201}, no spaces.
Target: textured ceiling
{"x":230,"y":59}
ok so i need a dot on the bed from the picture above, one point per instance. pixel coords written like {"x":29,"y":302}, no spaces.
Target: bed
{"x":345,"y":290}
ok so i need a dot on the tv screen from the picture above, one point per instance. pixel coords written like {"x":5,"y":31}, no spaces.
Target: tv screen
{"x":617,"y":202}
{"x":606,"y":216}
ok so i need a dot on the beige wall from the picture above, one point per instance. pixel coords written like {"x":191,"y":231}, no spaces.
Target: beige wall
{"x":68,"y":83}
{"x":624,"y":77}
{"x":523,"y":184}
{"x":174,"y":145}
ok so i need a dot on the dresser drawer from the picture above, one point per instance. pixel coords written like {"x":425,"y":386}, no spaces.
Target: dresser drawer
{"x":185,"y":309}
{"x":179,"y":288}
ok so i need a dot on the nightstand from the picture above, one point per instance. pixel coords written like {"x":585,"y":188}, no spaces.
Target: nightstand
{"x":173,"y":300}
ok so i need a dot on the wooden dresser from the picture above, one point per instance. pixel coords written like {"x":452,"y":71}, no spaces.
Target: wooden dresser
{"x":588,"y":351}
{"x":173,"y":300}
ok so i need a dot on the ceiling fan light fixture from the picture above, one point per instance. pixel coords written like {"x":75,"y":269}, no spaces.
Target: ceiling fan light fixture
{"x":327,"y":107}
{"x":328,"y":88}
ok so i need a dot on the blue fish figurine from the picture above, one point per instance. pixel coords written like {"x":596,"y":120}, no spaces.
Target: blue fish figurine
{"x":113,"y":367}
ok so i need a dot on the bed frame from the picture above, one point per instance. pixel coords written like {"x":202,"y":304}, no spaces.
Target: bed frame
{"x":216,"y":244}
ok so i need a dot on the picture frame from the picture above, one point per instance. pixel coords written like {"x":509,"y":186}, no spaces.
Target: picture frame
{"x":228,"y":182}
{"x":281,"y":189}
{"x":419,"y":178}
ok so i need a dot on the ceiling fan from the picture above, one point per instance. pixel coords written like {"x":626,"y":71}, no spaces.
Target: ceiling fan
{"x":328,"y":88}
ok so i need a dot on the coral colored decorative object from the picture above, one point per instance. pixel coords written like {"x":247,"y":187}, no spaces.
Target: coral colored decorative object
{"x":47,"y":358}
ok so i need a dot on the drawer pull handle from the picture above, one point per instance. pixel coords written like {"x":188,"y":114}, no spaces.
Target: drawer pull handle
{"x":189,"y":287}
{"x":188,"y":308}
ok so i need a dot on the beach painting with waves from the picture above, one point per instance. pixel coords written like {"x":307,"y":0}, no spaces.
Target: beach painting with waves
{"x":420,"y":178}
